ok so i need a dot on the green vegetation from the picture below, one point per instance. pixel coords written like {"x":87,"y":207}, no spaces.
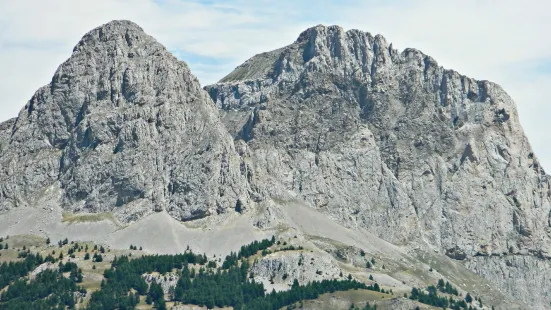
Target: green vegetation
{"x":201,"y":282}
{"x":276,"y":300}
{"x":247,"y":251}
{"x":49,"y":290}
{"x":433,"y":299}
{"x":251,"y":249}
{"x":446,"y":288}
{"x":125,"y":275}
{"x":291,"y":248}
{"x":83,"y":218}
{"x":367,"y":307}
{"x":97,"y":258}
{"x":14,"y":270}
{"x":221,"y":287}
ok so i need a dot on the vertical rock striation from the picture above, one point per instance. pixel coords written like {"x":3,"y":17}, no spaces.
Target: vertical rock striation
{"x":391,"y":142}
{"x":124,"y":127}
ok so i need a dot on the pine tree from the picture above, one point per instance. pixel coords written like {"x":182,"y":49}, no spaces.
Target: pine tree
{"x":155,"y":291}
{"x":48,"y":240}
{"x":160,"y":304}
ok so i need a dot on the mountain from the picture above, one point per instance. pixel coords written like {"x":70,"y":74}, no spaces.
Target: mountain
{"x":391,"y":142}
{"x":123,"y":127}
{"x":338,"y":140}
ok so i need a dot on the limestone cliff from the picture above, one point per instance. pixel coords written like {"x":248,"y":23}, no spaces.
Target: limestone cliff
{"x":123,"y":127}
{"x":379,"y":141}
{"x":391,"y":142}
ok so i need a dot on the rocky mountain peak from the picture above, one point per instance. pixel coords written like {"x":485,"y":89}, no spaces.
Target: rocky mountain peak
{"x":319,"y":31}
{"x":335,"y":42}
{"x":121,"y":32}
{"x":433,"y":128}
{"x":106,"y":130}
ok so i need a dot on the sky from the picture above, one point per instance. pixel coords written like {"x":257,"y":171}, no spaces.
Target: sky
{"x":505,"y":41}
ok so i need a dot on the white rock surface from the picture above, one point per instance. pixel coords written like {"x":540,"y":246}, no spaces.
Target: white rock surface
{"x":278,"y":270}
{"x":166,"y":281}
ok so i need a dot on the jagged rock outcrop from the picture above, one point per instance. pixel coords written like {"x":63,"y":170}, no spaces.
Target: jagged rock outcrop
{"x":279,"y":270}
{"x":123,"y":127}
{"x":166,"y":281}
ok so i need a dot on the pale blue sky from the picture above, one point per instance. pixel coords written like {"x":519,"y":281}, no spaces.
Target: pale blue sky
{"x":502,"y":41}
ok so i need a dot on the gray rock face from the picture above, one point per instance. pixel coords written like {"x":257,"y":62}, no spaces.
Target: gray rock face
{"x":279,"y":270}
{"x":526,"y":277}
{"x":374,"y":138}
{"x":391,"y":142}
{"x":122,"y":127}
{"x":166,"y":281}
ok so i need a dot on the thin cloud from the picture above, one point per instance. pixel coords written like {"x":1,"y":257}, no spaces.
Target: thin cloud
{"x":483,"y":39}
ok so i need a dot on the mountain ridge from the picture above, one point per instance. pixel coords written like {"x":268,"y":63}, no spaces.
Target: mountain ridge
{"x":374,"y":139}
{"x":453,"y":144}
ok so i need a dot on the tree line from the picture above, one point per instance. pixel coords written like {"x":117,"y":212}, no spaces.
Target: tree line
{"x":200,"y":282}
